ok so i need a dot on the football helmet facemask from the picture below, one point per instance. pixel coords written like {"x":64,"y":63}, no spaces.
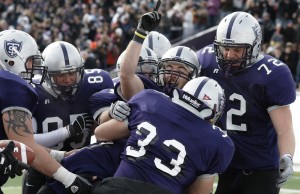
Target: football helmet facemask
{"x":180,"y":55}
{"x":238,"y":30}
{"x":63,"y":58}
{"x":20,"y":55}
{"x":147,"y":63}
{"x":202,"y":96}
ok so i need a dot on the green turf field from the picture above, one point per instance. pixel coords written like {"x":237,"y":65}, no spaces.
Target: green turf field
{"x":13,"y":186}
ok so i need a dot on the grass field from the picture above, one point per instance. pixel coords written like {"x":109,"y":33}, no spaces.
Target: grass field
{"x":13,"y":186}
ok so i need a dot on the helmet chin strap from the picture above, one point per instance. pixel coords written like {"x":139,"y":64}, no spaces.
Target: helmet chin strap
{"x":227,"y":71}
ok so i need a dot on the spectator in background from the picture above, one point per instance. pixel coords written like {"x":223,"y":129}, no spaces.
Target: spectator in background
{"x":290,"y":57}
{"x":286,"y":10}
{"x":277,"y":36}
{"x":89,"y":60}
{"x":176,"y":25}
{"x":268,"y":26}
{"x":226,"y":8}
{"x":188,"y":17}
{"x":213,"y":9}
{"x":289,"y":32}
{"x":78,"y":21}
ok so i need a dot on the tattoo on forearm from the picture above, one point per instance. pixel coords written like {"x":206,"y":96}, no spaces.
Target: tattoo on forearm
{"x":17,"y":122}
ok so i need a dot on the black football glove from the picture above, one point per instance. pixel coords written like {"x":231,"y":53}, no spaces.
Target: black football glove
{"x":8,"y":163}
{"x":79,"y":186}
{"x":148,"y":22}
{"x":76,"y":128}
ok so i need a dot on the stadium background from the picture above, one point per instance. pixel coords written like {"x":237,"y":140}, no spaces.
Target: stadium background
{"x":101,"y":29}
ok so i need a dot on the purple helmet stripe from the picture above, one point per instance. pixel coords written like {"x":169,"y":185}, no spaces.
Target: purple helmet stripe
{"x":65,"y":53}
{"x":230,"y":25}
{"x":199,"y":88}
{"x":179,"y":51}
{"x":150,"y":41}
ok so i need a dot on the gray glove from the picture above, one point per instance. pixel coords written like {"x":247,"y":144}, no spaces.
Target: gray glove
{"x":119,"y":110}
{"x":285,"y":169}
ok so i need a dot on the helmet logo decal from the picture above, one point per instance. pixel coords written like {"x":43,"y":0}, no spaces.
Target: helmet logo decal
{"x":257,"y":31}
{"x":191,"y":100}
{"x":205,"y":97}
{"x":9,"y":47}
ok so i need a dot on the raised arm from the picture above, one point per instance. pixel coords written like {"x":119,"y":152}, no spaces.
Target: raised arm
{"x":131,"y":83}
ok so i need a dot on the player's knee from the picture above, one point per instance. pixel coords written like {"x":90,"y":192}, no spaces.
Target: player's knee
{"x":46,"y":190}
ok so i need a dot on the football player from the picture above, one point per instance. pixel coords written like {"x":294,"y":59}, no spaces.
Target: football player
{"x":173,"y":145}
{"x":20,"y":58}
{"x":259,"y":89}
{"x":101,"y":160}
{"x":62,"y":114}
{"x":177,"y":66}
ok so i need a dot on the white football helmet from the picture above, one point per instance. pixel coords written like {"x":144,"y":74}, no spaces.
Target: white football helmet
{"x":20,"y":55}
{"x":158,"y":43}
{"x":179,"y":54}
{"x":204,"y":97}
{"x":60,"y":58}
{"x":147,"y":64}
{"x":238,"y":29}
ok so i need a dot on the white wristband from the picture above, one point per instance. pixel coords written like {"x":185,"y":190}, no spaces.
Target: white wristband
{"x":64,"y":176}
{"x":57,"y":155}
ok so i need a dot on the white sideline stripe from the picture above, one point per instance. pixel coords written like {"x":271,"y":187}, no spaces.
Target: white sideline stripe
{"x":282,"y":191}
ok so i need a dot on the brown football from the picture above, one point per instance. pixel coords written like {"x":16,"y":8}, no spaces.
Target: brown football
{"x":21,"y":151}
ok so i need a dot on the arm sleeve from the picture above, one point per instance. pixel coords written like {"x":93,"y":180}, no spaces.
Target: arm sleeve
{"x":52,"y":138}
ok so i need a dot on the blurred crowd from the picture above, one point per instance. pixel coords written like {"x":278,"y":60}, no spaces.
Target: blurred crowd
{"x":101,"y":29}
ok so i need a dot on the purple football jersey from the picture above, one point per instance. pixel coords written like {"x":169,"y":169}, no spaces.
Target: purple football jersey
{"x":169,"y":146}
{"x":250,"y":95}
{"x":15,"y":94}
{"x":52,"y":113}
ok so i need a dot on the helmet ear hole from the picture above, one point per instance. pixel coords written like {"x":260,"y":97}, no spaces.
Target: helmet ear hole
{"x":11,"y":63}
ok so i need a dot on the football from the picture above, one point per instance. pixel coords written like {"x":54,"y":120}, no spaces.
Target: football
{"x":22,"y":152}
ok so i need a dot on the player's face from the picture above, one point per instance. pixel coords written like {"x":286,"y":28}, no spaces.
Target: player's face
{"x":65,"y":79}
{"x":147,"y":70}
{"x":179,"y":72}
{"x":233,"y":53}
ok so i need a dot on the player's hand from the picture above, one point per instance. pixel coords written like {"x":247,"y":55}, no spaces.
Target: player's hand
{"x":8,"y":163}
{"x":285,"y":169}
{"x":79,"y":186}
{"x":76,"y":128}
{"x":119,"y":110}
{"x":148,"y":22}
